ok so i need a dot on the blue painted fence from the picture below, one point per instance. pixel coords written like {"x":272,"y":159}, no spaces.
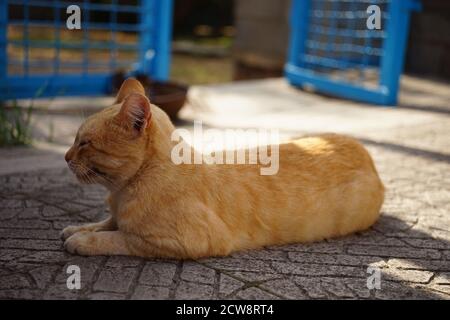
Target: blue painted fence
{"x":38,"y":58}
{"x":333,"y":51}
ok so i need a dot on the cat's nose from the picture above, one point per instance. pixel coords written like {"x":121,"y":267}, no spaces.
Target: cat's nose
{"x":68,"y":155}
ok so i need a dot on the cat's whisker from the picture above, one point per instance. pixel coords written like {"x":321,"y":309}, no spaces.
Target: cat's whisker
{"x":83,"y":174}
{"x":108,"y":181}
{"x":81,"y":170}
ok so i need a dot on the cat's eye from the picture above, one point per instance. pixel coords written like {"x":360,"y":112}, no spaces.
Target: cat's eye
{"x":83,"y":143}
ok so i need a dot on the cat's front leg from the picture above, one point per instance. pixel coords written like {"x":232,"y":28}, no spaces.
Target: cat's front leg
{"x":98,"y":243}
{"x":108,"y":224}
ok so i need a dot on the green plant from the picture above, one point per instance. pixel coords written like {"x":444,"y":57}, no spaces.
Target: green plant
{"x":15,"y":122}
{"x":15,"y":125}
{"x":51,"y":131}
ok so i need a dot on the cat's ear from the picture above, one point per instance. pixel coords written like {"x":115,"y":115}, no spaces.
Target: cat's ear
{"x":129,"y":86}
{"x":135,"y":113}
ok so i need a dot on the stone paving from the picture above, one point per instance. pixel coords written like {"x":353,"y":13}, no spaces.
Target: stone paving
{"x":410,"y":244}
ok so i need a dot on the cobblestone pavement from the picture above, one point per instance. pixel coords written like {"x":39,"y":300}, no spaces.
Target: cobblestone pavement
{"x":410,"y":243}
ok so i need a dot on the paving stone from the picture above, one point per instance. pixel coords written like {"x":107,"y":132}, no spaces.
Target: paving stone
{"x":233,"y":264}
{"x":6,"y":214}
{"x":336,"y":259}
{"x":393,"y":290}
{"x":189,"y":290}
{"x":442,"y":278}
{"x":72,"y":207}
{"x":42,"y":276}
{"x":121,"y":261}
{"x":441,"y":235}
{"x":7,"y":255}
{"x":49,"y":198}
{"x":44,"y":257}
{"x":195,"y":272}
{"x":117,"y":280}
{"x":286,"y":288}
{"x":312,"y":287}
{"x":8,"y":233}
{"x":262,"y":255}
{"x":317,"y":269}
{"x":89,"y":268}
{"x":255,"y":294}
{"x":59,"y":291}
{"x":327,"y":247}
{"x":157,"y":274}
{"x":14,"y":281}
{"x":418,"y":276}
{"x":439,"y":291}
{"x":31,"y":203}
{"x":26,"y":224}
{"x":248,"y":276}
{"x":358,"y":287}
{"x":150,"y":293}
{"x":381,"y":241}
{"x":228,"y":285}
{"x":106,"y":296}
{"x":10,"y":204}
{"x":337,"y":287}
{"x":394,"y":252}
{"x":51,"y":211}
{"x":410,"y":243}
{"x":23,"y":294}
{"x":90,"y":202}
{"x":29,"y":213}
{"x":419,"y":264}
{"x":428,"y":243}
{"x":35,"y":244}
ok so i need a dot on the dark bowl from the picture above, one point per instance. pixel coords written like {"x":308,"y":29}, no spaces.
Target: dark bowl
{"x":169,"y":96}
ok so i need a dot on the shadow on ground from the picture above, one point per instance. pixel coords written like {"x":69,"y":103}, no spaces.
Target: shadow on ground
{"x":410,"y":244}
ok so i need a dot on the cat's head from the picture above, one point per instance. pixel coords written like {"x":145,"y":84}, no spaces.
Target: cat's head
{"x":111,"y":145}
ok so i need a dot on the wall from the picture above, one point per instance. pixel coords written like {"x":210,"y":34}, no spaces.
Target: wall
{"x":261,"y":40}
{"x":429,"y":40}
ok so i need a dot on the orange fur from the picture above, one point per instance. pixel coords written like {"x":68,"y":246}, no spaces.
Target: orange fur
{"x":326,"y":186}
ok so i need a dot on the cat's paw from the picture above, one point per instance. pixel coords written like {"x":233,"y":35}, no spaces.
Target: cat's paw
{"x":70,"y":230}
{"x":80,"y":243}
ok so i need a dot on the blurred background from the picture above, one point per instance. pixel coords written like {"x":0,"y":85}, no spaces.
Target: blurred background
{"x":249,"y":39}
{"x":197,"y":59}
{"x":224,"y":40}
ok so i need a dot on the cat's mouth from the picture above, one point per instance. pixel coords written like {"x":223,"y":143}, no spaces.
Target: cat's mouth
{"x":97,"y":171}
{"x":88,"y":175}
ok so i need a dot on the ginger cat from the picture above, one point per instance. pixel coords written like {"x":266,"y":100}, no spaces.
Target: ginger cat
{"x":326,"y":186}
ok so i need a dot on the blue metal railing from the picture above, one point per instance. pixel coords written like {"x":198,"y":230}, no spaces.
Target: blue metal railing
{"x":39,"y":54}
{"x":332,"y":50}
